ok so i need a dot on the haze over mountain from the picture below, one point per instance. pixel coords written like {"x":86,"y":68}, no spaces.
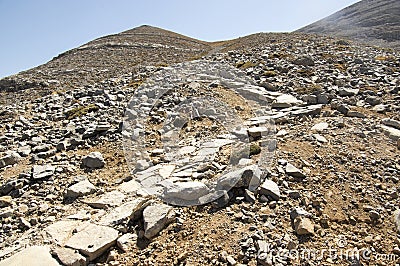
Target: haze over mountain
{"x":373,"y":21}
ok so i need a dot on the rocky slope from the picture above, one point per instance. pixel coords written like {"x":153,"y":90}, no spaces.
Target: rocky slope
{"x":374,"y":22}
{"x":71,"y":194}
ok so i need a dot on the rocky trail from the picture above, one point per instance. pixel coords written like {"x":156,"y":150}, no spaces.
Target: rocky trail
{"x":265,"y":147}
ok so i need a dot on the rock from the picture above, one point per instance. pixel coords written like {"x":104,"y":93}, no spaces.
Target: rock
{"x":79,"y":189}
{"x":391,"y":123}
{"x":60,"y":231}
{"x":304,"y":61}
{"x":127,"y":241}
{"x":374,"y":215}
{"x":296,"y":212}
{"x":32,"y":256}
{"x":320,"y":138}
{"x":285,"y":101}
{"x":42,"y":171}
{"x":70,"y":257}
{"x":271,"y":189}
{"x":320,"y":126}
{"x":303,"y":226}
{"x":373,"y":100}
{"x":109,"y":199}
{"x":94,"y":160}
{"x":352,"y":113}
{"x":155,"y":218}
{"x":5,"y":201}
{"x":93,"y":240}
{"x":24,"y":151}
{"x":258,"y":132}
{"x":293,"y":171}
{"x":348,"y":92}
{"x":249,"y":196}
{"x":391,"y":132}
{"x":397,"y":220}
{"x":124,"y":213}
{"x":188,"y":191}
{"x":10,"y":158}
{"x":130,"y":187}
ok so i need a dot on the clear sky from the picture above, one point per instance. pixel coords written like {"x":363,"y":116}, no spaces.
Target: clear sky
{"x":34,"y":31}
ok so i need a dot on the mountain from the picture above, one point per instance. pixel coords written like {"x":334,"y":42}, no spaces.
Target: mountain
{"x":375,"y":22}
{"x":97,"y":169}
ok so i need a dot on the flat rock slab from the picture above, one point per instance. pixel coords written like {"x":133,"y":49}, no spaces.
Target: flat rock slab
{"x":93,"y":240}
{"x":156,"y":217}
{"x":42,"y":171}
{"x":293,"y":171}
{"x":93,"y":160}
{"x":61,"y":231}
{"x":124,"y":213}
{"x":32,"y":256}
{"x":80,"y":189}
{"x":391,"y":132}
{"x":270,"y":188}
{"x":320,"y":126}
{"x":109,"y":199}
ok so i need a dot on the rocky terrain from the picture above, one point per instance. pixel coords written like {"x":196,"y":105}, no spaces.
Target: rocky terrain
{"x":376,"y":22}
{"x":317,"y":183}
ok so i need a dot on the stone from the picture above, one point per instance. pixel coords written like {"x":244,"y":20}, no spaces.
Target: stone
{"x":391,"y":132}
{"x":93,"y":240}
{"x":130,"y":187}
{"x":188,"y":191}
{"x":10,"y":158}
{"x":127,"y":241}
{"x":109,"y":199}
{"x":32,"y":256}
{"x":296,"y":212}
{"x":285,"y":101}
{"x":320,"y":138}
{"x":304,"y":61}
{"x":397,"y":220}
{"x":94,"y":160}
{"x":124,"y":213}
{"x":374,"y":215}
{"x":320,"y":126}
{"x":391,"y":123}
{"x":293,"y":171}
{"x":258,"y":132}
{"x":42,"y":171}
{"x":348,"y":92}
{"x":155,"y":218}
{"x":303,"y":226}
{"x":69,"y":257}
{"x":5,"y":201}
{"x":271,"y":189}
{"x":60,"y":231}
{"x":352,"y":113}
{"x":80,"y":189}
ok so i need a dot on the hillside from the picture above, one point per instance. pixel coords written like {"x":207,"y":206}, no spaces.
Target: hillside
{"x":246,"y":150}
{"x":376,"y":22}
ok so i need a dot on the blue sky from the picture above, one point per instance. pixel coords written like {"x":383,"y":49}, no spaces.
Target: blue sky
{"x":34,"y":31}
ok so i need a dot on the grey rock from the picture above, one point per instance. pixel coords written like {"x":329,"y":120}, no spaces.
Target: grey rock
{"x":285,"y":101}
{"x":352,"y":113}
{"x":304,"y":61}
{"x":79,"y":189}
{"x":94,"y":160}
{"x":59,"y":232}
{"x":32,"y":256}
{"x":320,"y":126}
{"x":397,"y":220}
{"x":293,"y":171}
{"x":70,"y":257}
{"x":127,"y":241}
{"x":303,"y":226}
{"x":348,"y":92}
{"x":93,"y":240}
{"x":10,"y":158}
{"x":296,"y":212}
{"x":391,"y":123}
{"x":155,"y":218}
{"x":271,"y":189}
{"x":320,"y":138}
{"x":188,"y":191}
{"x":391,"y":132}
{"x":124,"y":213}
{"x":109,"y":199}
{"x":42,"y":171}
